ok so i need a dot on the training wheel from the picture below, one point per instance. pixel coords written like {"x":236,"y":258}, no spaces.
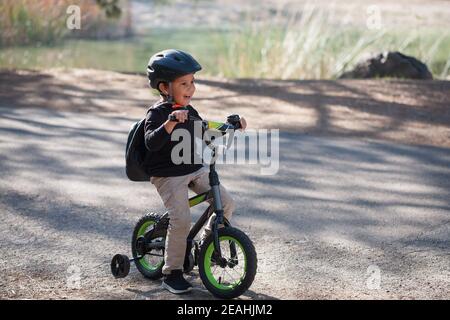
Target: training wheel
{"x":120,"y":266}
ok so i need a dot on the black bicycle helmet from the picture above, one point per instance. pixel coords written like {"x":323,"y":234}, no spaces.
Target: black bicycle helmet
{"x":167,"y":65}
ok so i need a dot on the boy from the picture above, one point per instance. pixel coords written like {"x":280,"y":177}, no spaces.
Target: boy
{"x":171,"y":72}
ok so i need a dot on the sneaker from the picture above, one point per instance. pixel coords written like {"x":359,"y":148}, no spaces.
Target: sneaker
{"x":175,"y":282}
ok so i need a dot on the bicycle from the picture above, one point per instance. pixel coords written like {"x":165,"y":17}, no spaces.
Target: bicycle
{"x":225,"y":248}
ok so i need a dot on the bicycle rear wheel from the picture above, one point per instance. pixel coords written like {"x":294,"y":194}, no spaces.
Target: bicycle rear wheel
{"x":151,"y":264}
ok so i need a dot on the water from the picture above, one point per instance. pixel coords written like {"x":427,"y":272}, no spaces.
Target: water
{"x":128,"y":55}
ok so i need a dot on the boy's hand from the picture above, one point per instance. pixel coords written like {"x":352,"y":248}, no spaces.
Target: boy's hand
{"x":243,"y":124}
{"x":234,"y":119}
{"x":181,"y":115}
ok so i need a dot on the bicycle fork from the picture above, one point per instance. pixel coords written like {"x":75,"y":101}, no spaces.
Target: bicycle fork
{"x":218,"y":209}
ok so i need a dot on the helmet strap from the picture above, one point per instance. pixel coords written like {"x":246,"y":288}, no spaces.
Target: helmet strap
{"x":170,"y":94}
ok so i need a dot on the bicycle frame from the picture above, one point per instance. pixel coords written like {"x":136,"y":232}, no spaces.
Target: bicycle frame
{"x":213,"y":193}
{"x":215,"y":207}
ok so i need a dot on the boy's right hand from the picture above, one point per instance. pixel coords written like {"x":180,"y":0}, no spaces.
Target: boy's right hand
{"x":180,"y":115}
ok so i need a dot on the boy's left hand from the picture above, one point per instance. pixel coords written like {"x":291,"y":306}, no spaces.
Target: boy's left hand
{"x":243,"y":123}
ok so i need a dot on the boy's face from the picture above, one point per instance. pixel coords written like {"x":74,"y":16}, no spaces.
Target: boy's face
{"x":183,"y":88}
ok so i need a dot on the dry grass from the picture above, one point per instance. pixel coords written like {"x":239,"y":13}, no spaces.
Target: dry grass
{"x":42,"y":22}
{"x":311,"y":43}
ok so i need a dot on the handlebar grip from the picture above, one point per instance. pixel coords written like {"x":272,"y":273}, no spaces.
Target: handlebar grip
{"x":190,"y":118}
{"x":234,"y":120}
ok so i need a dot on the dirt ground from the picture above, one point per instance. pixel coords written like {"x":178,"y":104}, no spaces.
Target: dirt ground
{"x":405,"y":111}
{"x":363,"y":182}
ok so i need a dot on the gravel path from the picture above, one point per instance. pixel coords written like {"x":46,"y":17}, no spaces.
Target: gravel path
{"x":343,"y":218}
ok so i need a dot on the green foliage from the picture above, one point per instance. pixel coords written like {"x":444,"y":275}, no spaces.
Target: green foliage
{"x":312,"y":46}
{"x":111,"y":8}
{"x":288,"y":46}
{"x":24,"y":22}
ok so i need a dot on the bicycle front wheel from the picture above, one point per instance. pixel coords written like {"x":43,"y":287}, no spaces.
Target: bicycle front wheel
{"x":232,"y":275}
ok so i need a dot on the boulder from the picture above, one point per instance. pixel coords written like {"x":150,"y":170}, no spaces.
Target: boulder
{"x":389,"y":64}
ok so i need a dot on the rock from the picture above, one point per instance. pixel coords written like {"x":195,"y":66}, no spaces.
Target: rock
{"x":389,"y":64}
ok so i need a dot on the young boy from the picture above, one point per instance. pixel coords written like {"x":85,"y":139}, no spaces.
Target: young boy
{"x":171,"y":72}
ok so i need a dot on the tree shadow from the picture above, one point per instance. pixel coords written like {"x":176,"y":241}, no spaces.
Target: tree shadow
{"x":359,"y":190}
{"x":34,"y":89}
{"x":321,"y":96}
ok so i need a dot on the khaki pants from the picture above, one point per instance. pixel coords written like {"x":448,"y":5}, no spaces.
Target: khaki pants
{"x":174,"y":193}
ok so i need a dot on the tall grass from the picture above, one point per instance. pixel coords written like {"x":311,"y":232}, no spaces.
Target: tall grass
{"x":288,"y":44}
{"x":43,"y":22}
{"x":28,"y":22}
{"x":311,"y":44}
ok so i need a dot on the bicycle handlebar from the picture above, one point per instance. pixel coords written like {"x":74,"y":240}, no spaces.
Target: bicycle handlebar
{"x":231,"y":124}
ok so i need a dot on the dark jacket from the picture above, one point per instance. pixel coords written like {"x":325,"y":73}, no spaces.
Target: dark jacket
{"x":158,"y":162}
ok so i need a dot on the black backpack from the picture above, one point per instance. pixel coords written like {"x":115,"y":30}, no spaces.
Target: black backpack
{"x":135,"y":153}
